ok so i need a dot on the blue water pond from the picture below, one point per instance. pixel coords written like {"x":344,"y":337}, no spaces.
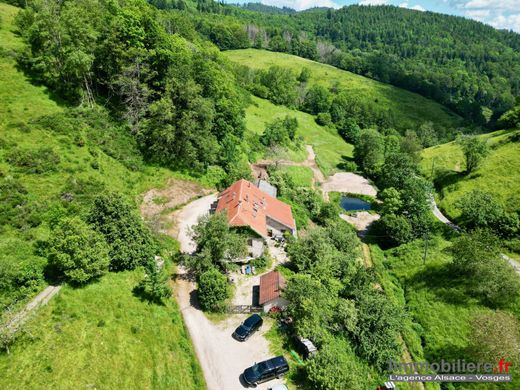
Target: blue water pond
{"x":353,"y":204}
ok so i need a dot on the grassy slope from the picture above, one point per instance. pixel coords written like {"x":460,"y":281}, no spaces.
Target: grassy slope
{"x":302,"y":176}
{"x":20,"y":104}
{"x":437,"y":303}
{"x":101,"y":336}
{"x":329,"y":147}
{"x":69,"y":348}
{"x":498,"y":174}
{"x":408,"y":107}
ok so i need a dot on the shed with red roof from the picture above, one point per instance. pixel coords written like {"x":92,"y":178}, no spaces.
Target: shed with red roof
{"x":271,"y":287}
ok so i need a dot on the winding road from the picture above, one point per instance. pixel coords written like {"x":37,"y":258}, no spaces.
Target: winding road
{"x":441,"y":217}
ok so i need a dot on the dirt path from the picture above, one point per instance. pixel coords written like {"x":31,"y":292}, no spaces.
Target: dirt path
{"x":260,"y":167}
{"x":441,"y":217}
{"x":221,"y":357}
{"x":39,"y":300}
{"x":346,"y":182}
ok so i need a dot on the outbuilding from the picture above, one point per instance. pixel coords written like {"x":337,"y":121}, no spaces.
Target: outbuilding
{"x":271,"y":287}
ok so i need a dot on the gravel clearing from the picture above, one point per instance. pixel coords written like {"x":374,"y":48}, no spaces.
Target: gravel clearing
{"x":348,"y":182}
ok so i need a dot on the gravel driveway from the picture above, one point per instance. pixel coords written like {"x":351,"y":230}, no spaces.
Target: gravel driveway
{"x":222,"y":358}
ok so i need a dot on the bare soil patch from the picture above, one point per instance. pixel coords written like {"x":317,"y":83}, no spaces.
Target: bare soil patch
{"x":159,"y":204}
{"x":348,"y":182}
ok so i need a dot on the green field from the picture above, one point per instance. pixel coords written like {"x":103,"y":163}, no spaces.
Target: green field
{"x":440,"y":311}
{"x":302,"y":176}
{"x":499,"y":173}
{"x":329,"y":147}
{"x":409,"y":108}
{"x":102,"y":336}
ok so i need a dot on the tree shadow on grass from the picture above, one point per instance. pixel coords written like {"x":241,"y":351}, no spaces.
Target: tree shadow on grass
{"x":35,"y":79}
{"x":447,"y":178}
{"x":347,"y":163}
{"x":140,"y":292}
{"x":447,"y":352}
{"x":444,"y":282}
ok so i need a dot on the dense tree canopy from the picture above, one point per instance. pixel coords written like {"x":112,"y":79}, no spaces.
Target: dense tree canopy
{"x":466,"y":65}
{"x":130,"y":241}
{"x":213,"y":290}
{"x":177,"y":94}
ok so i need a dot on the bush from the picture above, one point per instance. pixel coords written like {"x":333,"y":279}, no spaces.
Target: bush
{"x":336,"y":366}
{"x":493,"y":280}
{"x":37,"y":161}
{"x":77,"y":252}
{"x":396,"y":229}
{"x":481,"y":210}
{"x":154,"y":285}
{"x":323,"y":119}
{"x":260,"y":262}
{"x":213,"y":291}
{"x":280,"y":132}
{"x":130,"y":241}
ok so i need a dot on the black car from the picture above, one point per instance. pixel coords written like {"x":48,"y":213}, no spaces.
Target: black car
{"x":248,"y":327}
{"x":266,"y":370}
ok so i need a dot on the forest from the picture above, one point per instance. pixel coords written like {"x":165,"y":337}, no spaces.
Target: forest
{"x":442,"y":57}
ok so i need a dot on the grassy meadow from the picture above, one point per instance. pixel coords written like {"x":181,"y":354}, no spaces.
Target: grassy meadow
{"x":103,"y":337}
{"x":499,"y":173}
{"x":329,"y":147}
{"x":440,"y":312}
{"x":409,"y":108}
{"x":302,"y":176}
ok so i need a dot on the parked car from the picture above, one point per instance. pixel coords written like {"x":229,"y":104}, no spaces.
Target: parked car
{"x":279,"y":387}
{"x":248,"y":327}
{"x":279,"y":239}
{"x":266,"y":370}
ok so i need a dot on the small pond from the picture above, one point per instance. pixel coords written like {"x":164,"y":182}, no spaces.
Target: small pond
{"x":353,"y":204}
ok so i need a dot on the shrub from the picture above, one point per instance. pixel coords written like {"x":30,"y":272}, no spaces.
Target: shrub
{"x":77,"y":252}
{"x":323,"y":119}
{"x":154,"y":285}
{"x":213,"y":291}
{"x":396,"y":229}
{"x":37,"y":161}
{"x":336,"y":366}
{"x":493,"y":280}
{"x":130,"y":241}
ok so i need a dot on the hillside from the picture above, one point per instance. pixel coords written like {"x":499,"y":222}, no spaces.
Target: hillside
{"x":410,"y":110}
{"x":53,"y":157}
{"x":499,"y":173}
{"x":463,"y":64}
{"x":329,"y":147}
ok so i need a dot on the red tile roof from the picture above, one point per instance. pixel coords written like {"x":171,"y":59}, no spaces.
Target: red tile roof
{"x":271,"y":286}
{"x":247,"y":205}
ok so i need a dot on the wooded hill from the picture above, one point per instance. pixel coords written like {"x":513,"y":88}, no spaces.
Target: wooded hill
{"x":464,"y":64}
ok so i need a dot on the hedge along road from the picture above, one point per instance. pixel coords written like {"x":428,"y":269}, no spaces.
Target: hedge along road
{"x":221,"y":357}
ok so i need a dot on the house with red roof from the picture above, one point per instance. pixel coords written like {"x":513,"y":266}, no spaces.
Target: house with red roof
{"x":246,"y":205}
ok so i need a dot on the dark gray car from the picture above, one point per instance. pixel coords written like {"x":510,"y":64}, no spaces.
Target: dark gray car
{"x":248,"y":327}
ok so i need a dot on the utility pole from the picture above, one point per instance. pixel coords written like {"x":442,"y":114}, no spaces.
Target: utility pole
{"x":426,"y":239}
